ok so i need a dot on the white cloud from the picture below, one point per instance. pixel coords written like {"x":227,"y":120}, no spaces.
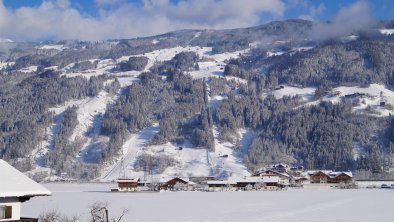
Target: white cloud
{"x":57,"y":19}
{"x":348,"y":20}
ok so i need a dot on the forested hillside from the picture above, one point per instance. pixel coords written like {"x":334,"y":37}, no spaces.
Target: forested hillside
{"x":217,"y":102}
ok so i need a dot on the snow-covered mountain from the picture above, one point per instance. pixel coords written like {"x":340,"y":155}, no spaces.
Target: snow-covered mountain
{"x":197,"y":102}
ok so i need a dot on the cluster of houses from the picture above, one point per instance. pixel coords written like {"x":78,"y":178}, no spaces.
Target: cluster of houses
{"x":277,"y":177}
{"x":16,"y":187}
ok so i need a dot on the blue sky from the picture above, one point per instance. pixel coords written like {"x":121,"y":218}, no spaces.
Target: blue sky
{"x":382,"y":9}
{"x":103,"y":19}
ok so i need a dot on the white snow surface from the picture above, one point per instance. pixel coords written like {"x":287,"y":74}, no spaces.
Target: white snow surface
{"x":162,"y":55}
{"x":363,"y":205}
{"x":29,"y":69}
{"x":16,"y":184}
{"x":386,"y":31}
{"x":215,"y":64}
{"x":374,"y":94}
{"x":307,"y":94}
{"x":52,"y":47}
{"x":270,"y":54}
{"x":5,"y":64}
{"x":89,"y":110}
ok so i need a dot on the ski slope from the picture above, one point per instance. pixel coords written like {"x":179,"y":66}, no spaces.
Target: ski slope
{"x":190,"y":160}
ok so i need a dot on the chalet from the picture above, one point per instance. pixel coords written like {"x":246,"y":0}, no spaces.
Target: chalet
{"x":340,"y":177}
{"x":284,"y":178}
{"x":221,"y":185}
{"x":271,"y":183}
{"x":126,"y":185}
{"x":242,"y":183}
{"x":299,"y":181}
{"x":281,"y":168}
{"x":320,"y":177}
{"x":178,"y":183}
{"x":16,"y":188}
{"x":324,"y":176}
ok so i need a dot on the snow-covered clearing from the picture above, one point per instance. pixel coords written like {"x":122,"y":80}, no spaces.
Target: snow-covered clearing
{"x":5,"y":64}
{"x":215,"y":64}
{"x":386,"y":31}
{"x":362,"y":205}
{"x":29,"y":69}
{"x":53,"y":47}
{"x":270,"y":54}
{"x":307,"y":94}
{"x":371,"y":96}
{"x":162,"y":55}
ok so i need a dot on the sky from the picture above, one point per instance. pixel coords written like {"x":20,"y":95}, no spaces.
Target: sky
{"x":37,"y":20}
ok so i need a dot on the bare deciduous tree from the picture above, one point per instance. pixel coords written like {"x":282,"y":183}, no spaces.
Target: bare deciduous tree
{"x":99,"y":213}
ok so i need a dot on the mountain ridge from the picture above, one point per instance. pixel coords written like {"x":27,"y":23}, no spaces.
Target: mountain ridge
{"x":201,"y":90}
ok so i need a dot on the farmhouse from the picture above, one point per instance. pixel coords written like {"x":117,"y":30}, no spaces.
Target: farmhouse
{"x":178,"y":183}
{"x":284,"y":178}
{"x":245,"y":182}
{"x":15,"y":188}
{"x":324,"y":176}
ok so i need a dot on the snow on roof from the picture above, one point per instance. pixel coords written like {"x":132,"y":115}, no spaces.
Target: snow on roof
{"x":167,"y":179}
{"x":329,"y":173}
{"x":220,"y":182}
{"x":13,"y":183}
{"x":271,"y":179}
{"x":246,"y":180}
{"x":128,"y":180}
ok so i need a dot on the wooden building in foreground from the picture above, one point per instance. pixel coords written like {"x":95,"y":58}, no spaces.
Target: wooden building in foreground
{"x":16,"y":188}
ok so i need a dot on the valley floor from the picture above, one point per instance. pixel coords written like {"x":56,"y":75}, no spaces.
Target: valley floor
{"x":276,"y":206}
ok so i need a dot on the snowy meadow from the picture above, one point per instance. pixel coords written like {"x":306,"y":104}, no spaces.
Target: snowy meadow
{"x":276,"y":206}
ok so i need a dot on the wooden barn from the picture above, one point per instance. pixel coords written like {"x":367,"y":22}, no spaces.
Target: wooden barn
{"x":15,"y":188}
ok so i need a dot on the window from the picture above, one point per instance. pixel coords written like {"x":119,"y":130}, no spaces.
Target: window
{"x":5,"y":212}
{"x":2,"y":212}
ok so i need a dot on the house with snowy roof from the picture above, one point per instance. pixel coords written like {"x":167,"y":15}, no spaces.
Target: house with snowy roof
{"x":16,"y":188}
{"x":328,"y":176}
{"x":177,"y":183}
{"x":284,"y":178}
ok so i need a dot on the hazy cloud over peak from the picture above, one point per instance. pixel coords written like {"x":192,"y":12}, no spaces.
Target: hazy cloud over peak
{"x":60,"y":19}
{"x":348,"y":20}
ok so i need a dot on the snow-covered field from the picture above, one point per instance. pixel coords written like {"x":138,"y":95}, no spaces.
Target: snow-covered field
{"x":362,"y":205}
